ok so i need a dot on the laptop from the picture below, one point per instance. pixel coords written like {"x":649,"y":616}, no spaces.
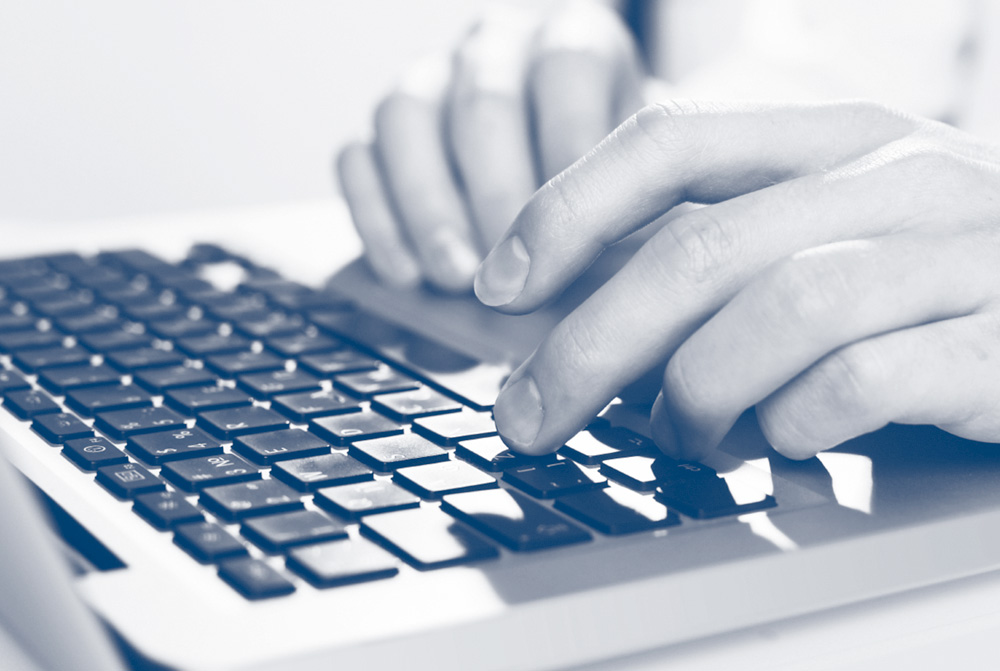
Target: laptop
{"x":258,"y":458}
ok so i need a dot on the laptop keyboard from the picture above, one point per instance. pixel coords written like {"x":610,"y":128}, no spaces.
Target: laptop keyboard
{"x":285,"y":435}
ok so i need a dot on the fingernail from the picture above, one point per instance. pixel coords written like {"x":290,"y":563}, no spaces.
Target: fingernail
{"x":454,"y":263}
{"x":502,"y":275}
{"x":519,"y":412}
{"x":662,"y":428}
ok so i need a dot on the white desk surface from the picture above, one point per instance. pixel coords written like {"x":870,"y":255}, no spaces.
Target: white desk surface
{"x":951,"y":625}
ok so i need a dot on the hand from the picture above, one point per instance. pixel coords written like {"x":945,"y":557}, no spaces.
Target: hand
{"x":462,"y":143}
{"x":846,"y":275}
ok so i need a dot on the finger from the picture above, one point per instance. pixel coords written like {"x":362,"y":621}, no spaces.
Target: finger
{"x":387,"y":251}
{"x":584,"y":68}
{"x":687,"y":271}
{"x":420,"y":181}
{"x":805,"y":307}
{"x":488,"y":127}
{"x":944,"y":373}
{"x":665,"y":155}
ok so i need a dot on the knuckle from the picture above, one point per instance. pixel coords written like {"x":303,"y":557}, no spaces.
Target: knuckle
{"x":699,"y":246}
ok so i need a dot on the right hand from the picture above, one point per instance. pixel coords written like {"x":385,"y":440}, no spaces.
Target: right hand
{"x":463,"y":142}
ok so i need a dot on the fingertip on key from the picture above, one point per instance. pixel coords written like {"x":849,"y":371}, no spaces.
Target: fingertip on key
{"x":518,"y":413}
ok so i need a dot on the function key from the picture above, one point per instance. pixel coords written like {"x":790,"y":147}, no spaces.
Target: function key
{"x":616,"y":510}
{"x":231,"y":307}
{"x":513,"y":519}
{"x":427,"y":538}
{"x":144,"y":312}
{"x":635,"y":472}
{"x":379,"y":381}
{"x":491,"y":454}
{"x":345,"y":360}
{"x":392,"y":452}
{"x":248,"y":499}
{"x":232,"y":422}
{"x":11,"y":381}
{"x":158,"y":380}
{"x":93,"y":452}
{"x":353,"y":501}
{"x":304,"y":406}
{"x":58,"y":427}
{"x":270,"y":324}
{"x":128,"y":480}
{"x":28,"y":403}
{"x":121,"y":424}
{"x":268,"y":385}
{"x":292,"y":346}
{"x":231,"y":365}
{"x":271,"y":446}
{"x":432,"y":481}
{"x":342,"y":429}
{"x":60,"y":380}
{"x":208,"y":542}
{"x":112,"y":341}
{"x":254,"y":578}
{"x":699,"y":492}
{"x":130,"y":360}
{"x":456,"y":426}
{"x":342,"y":563}
{"x":34,"y":360}
{"x":24,"y":340}
{"x":89,"y":400}
{"x":89,"y":322}
{"x":406,"y":405}
{"x":212,"y":343}
{"x":192,"y":400}
{"x":325,"y":470}
{"x":165,"y":510}
{"x":217,"y":469}
{"x":276,"y":533}
{"x":559,"y":478}
{"x":163,"y":446}
{"x":601,"y":442}
{"x":65,"y":304}
{"x":181,"y":327}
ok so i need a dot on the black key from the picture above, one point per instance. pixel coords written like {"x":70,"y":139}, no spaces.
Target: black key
{"x":93,"y":452}
{"x":254,"y":578}
{"x":164,"y":446}
{"x":91,"y":322}
{"x":560,"y":478}
{"x":120,"y":424}
{"x":248,"y":499}
{"x":327,"y":365}
{"x":113,"y":341}
{"x":406,"y":405}
{"x":432,"y":481}
{"x":208,"y":542}
{"x":616,"y":510}
{"x":380,"y":381}
{"x":456,"y":426}
{"x":292,"y":346}
{"x":365,"y":498}
{"x":635,"y":472}
{"x":342,"y":429}
{"x":269,"y":325}
{"x":158,"y":380}
{"x":325,"y":470}
{"x":273,"y":446}
{"x":426,"y":538}
{"x":130,"y":360}
{"x":601,"y":442}
{"x":232,"y":422}
{"x":58,"y":427}
{"x":129,"y":294}
{"x":513,"y":519}
{"x":231,"y":365}
{"x":699,"y":492}
{"x":231,"y":307}
{"x":392,"y":452}
{"x":491,"y":454}
{"x":89,"y":400}
{"x":192,"y":400}
{"x":11,"y":381}
{"x":165,"y":510}
{"x":24,"y":340}
{"x":128,"y":480}
{"x":267,"y":385}
{"x":276,"y":533}
{"x":29,"y":403}
{"x":68,"y":303}
{"x":144,"y":312}
{"x":307,"y":405}
{"x":212,"y":343}
{"x":60,"y":380}
{"x":342,"y":563}
{"x":197,"y":473}
{"x":183,"y":327}
{"x":34,"y":360}
{"x":17,"y":322}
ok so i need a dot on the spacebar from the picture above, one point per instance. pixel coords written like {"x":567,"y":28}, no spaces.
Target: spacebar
{"x":467,"y":379}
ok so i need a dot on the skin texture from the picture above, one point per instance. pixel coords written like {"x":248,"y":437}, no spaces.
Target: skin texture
{"x":844,"y":274}
{"x":465,"y":139}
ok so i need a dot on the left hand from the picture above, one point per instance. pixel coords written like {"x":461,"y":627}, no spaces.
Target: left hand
{"x":846,"y":276}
